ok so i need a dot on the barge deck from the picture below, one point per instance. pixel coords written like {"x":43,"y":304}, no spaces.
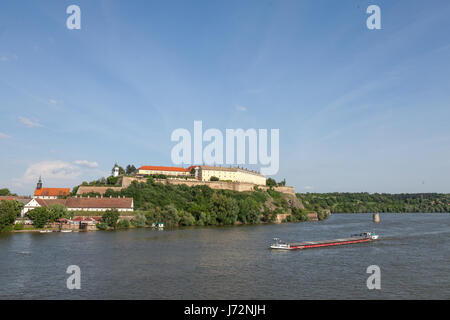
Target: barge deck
{"x":363,"y":237}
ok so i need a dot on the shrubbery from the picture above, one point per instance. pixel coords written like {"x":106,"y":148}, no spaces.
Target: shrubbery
{"x":110,"y":218}
{"x":40,"y":216}
{"x":19,"y":226}
{"x":139,"y":220}
{"x":9,"y":211}
{"x":102,"y":226}
{"x":123,"y":224}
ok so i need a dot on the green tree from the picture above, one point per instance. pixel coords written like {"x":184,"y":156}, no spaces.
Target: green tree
{"x":224,"y":209}
{"x":139,"y":220}
{"x":186,"y":218}
{"x":110,"y":217}
{"x":5,"y":192}
{"x":123,"y":224}
{"x":9,"y":211}
{"x":58,"y":211}
{"x":74,"y":191}
{"x":39,"y":216}
{"x":130,"y":169}
{"x":112,"y":180}
{"x":249,"y":211}
{"x":170,"y":216}
{"x":271,"y":182}
{"x":213,"y":178}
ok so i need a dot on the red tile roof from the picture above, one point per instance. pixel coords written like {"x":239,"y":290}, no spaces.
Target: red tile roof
{"x":160,"y":168}
{"x":48,"y":202}
{"x":22,"y":199}
{"x":84,"y":203}
{"x":52,"y":192}
{"x":108,"y":203}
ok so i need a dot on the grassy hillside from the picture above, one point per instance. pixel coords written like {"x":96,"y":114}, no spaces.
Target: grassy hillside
{"x":201,"y":205}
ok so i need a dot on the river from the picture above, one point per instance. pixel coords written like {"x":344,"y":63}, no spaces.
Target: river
{"x":234,"y":262}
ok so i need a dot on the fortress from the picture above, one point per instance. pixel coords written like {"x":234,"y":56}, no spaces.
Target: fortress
{"x":207,"y":173}
{"x":236,"y":179}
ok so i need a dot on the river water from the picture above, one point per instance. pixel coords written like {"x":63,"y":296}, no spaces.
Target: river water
{"x":234,"y":262}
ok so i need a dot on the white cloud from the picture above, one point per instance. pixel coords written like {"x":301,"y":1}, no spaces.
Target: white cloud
{"x":57,"y":174}
{"x":241,"y":108}
{"x":85,"y":163}
{"x":308,"y":187}
{"x":4,"y":136}
{"x":53,"y":101}
{"x":52,"y":170}
{"x":29,"y":123}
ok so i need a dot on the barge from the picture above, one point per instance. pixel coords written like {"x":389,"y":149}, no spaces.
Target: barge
{"x":356,"y":238}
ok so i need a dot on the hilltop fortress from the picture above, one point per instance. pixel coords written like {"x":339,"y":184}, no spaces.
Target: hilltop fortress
{"x":228,"y":178}
{"x":207,"y":173}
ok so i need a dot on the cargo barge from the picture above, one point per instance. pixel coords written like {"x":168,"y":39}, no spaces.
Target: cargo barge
{"x":356,"y":238}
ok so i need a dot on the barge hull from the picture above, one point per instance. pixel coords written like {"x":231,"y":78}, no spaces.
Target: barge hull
{"x":327,"y":243}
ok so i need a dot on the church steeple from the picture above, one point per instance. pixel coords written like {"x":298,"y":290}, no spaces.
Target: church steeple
{"x":39,"y":184}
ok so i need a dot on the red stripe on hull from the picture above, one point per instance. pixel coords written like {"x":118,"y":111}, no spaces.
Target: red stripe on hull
{"x":330,"y":244}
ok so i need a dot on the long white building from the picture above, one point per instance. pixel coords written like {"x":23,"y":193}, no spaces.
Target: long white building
{"x":205,"y":173}
{"x":97,"y":204}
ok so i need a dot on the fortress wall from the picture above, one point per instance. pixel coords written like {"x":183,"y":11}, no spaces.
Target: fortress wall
{"x":235,"y":186}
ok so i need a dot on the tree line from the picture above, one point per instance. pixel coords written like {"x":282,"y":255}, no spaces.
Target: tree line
{"x":364,"y":202}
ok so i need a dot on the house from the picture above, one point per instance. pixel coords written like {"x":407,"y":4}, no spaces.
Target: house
{"x":98,"y":204}
{"x":21,"y":199}
{"x":37,"y":202}
{"x":78,"y":223}
{"x":49,"y":193}
{"x":122,"y":204}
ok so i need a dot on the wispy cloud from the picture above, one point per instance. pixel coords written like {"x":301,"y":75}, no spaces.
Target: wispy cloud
{"x":241,"y":108}
{"x":52,"y":170}
{"x":86,"y":164}
{"x":308,"y":187}
{"x":58,"y":173}
{"x":4,"y":136}
{"x":29,"y":123}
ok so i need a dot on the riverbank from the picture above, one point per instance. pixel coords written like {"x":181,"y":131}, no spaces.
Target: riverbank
{"x":89,"y":227}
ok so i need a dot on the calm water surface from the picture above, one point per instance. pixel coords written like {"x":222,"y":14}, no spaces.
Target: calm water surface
{"x":234,"y":262}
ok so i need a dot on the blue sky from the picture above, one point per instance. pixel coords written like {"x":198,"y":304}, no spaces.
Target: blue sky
{"x":357,"y":109}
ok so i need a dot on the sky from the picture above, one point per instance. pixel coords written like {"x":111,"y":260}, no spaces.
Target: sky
{"x":358,"y":110}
